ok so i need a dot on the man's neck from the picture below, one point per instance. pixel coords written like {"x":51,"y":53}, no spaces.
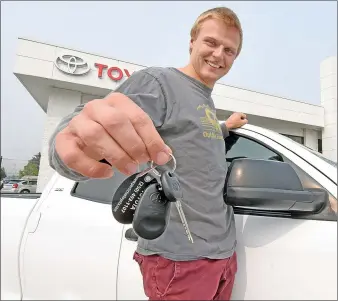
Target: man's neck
{"x":190,"y":71}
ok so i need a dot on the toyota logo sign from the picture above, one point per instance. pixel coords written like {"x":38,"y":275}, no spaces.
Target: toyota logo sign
{"x":72,"y":64}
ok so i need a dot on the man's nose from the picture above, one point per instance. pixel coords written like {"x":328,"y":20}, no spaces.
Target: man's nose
{"x":218,"y":52}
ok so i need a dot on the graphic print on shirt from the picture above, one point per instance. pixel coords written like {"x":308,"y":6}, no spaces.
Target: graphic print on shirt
{"x":209,"y":121}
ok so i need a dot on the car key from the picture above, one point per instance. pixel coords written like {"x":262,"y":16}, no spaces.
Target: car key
{"x":127,"y":196}
{"x":152,"y":213}
{"x":173,"y":192}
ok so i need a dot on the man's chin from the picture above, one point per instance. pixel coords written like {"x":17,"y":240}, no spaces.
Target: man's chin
{"x":211,"y":78}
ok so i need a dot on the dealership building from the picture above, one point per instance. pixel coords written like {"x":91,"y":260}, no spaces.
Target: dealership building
{"x":59,"y":79}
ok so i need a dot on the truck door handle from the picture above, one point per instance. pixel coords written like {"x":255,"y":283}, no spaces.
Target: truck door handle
{"x":131,"y":235}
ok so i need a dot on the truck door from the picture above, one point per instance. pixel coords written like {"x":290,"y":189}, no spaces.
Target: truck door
{"x":73,"y":251}
{"x":281,"y":258}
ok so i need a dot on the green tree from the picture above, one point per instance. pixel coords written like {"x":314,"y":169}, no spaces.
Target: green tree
{"x":32,"y":167}
{"x":36,"y":159}
{"x":3,"y":173}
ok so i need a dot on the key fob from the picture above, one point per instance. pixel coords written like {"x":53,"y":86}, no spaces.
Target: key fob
{"x":171,"y":186}
{"x":152,"y":213}
{"x":127,"y":197}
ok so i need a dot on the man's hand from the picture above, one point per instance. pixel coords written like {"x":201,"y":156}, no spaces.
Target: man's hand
{"x":236,"y":120}
{"x":115,"y":129}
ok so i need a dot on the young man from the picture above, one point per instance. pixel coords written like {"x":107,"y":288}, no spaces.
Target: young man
{"x":159,"y":111}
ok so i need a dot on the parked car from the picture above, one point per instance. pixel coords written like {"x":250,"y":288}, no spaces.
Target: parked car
{"x":9,"y":183}
{"x":20,"y":186}
{"x":64,"y":244}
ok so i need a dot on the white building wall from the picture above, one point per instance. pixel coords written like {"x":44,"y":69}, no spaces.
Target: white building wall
{"x":61,"y":103}
{"x":328,"y":82}
{"x":310,"y":136}
{"x":269,"y":106}
{"x":87,"y":97}
{"x":37,"y":60}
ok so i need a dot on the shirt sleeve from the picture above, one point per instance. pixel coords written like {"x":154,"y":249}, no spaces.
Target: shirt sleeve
{"x":146,"y":91}
{"x":142,"y":88}
{"x":225,"y":130}
{"x":53,"y":157}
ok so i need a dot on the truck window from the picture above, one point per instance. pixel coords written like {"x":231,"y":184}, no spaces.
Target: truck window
{"x":241,"y":147}
{"x":98,"y":190}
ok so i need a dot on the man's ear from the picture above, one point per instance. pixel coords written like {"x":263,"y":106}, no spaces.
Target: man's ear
{"x":191,"y":44}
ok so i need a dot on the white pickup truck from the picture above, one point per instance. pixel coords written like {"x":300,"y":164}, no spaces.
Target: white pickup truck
{"x":65,"y":244}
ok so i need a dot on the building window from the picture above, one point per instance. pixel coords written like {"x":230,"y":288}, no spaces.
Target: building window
{"x":320,"y":146}
{"x":298,"y":139}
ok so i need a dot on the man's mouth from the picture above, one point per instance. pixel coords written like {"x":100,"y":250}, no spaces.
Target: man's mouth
{"x":213,"y":65}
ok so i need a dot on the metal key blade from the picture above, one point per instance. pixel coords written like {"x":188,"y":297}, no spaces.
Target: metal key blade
{"x":184,"y":220}
{"x":173,"y":192}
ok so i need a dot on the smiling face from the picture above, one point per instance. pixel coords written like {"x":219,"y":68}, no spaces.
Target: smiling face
{"x":214,"y":50}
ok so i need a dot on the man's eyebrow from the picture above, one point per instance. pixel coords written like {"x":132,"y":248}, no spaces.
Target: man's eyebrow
{"x":210,"y":37}
{"x":231,"y":48}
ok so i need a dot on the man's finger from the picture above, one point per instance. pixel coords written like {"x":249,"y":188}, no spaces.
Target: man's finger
{"x":157,"y":149}
{"x":243,"y":116}
{"x":143,"y":125}
{"x":96,"y":138}
{"x":73,"y":157}
{"x":118,"y":126}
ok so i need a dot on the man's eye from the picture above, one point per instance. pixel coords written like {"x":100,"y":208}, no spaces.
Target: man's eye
{"x":211,"y":43}
{"x":229,"y":51}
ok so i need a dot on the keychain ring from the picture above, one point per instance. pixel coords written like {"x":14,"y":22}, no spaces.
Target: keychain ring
{"x":152,"y":167}
{"x":175,"y":164}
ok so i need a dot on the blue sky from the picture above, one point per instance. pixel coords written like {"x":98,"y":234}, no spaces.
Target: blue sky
{"x":284,"y":43}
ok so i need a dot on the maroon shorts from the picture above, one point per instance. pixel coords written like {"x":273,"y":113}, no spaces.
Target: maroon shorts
{"x":204,"y":279}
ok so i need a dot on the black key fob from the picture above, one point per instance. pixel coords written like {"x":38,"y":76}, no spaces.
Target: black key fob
{"x":171,"y":186}
{"x":152,"y":213}
{"x":128,"y":195}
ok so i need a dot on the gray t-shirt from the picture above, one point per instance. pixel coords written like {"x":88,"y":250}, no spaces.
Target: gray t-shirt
{"x":184,"y":114}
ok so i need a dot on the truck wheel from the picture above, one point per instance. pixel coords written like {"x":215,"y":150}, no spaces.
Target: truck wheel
{"x":25,"y":191}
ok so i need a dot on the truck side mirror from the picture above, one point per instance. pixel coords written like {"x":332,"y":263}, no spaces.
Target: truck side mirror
{"x":266,"y":185}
